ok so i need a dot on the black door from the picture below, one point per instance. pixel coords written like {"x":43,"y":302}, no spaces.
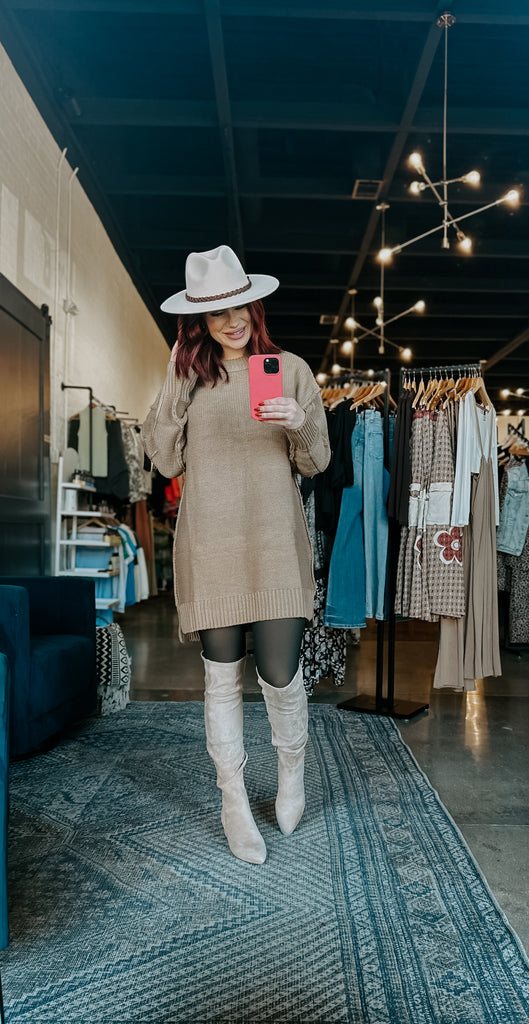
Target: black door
{"x":25,"y":512}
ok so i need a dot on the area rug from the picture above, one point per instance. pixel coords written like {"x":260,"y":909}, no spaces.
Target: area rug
{"x":127,"y":906}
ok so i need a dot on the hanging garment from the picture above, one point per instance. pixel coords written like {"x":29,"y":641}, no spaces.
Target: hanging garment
{"x":134,"y":460}
{"x":323,"y":650}
{"x":399,"y":487}
{"x":117,"y":481}
{"x":411,"y":598}
{"x":513,"y":575}
{"x":339,"y":473}
{"x":477,"y":432}
{"x":430,"y":578}
{"x":346,"y":594}
{"x":357,"y":575}
{"x":375,"y":482}
{"x":514,"y":515}
{"x":99,"y":441}
{"x":482,"y":644}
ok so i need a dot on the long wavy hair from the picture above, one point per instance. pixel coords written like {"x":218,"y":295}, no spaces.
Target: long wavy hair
{"x":197,"y":350}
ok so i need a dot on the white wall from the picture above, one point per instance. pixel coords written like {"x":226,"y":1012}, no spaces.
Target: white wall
{"x":113,"y":343}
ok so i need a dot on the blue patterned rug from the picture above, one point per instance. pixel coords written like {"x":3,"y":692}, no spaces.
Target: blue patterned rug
{"x":127,"y":906}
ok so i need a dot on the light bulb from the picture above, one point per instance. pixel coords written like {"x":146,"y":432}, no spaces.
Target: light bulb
{"x":379,"y":321}
{"x":335,"y":368}
{"x":350,"y":323}
{"x":406,"y":353}
{"x":465,"y":244}
{"x":415,"y":161}
{"x":506,"y":412}
{"x":419,"y":306}
{"x":520,"y":412}
{"x":377,"y":302}
{"x":472,"y":178}
{"x":347,"y":348}
{"x":520,"y":391}
{"x":381,"y":350}
{"x":505,"y":392}
{"x":415,"y":188}
{"x":321,"y":378}
{"x":370,"y":373}
{"x":512,"y":197}
{"x":385,"y":255}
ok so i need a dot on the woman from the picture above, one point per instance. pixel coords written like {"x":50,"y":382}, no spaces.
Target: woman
{"x":242,"y":552}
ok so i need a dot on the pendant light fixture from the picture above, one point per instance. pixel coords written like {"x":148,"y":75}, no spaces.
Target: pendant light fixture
{"x":439,"y":189}
{"x":379,"y":333}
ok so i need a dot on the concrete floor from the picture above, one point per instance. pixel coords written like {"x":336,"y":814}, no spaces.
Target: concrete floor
{"x":473,"y":747}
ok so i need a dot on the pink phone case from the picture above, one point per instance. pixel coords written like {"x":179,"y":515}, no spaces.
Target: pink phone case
{"x":263,"y":385}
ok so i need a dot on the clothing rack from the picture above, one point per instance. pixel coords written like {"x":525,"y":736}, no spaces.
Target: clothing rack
{"x":462,"y":369}
{"x":379,"y":704}
{"x":92,"y":400}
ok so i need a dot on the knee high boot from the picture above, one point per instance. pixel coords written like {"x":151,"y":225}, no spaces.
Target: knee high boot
{"x":288,"y":715}
{"x":223,"y":716}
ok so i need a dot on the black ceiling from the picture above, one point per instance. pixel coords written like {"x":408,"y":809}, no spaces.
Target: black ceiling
{"x":196,"y":122}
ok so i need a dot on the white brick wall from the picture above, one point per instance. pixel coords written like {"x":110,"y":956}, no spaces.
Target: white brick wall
{"x":113,"y":344}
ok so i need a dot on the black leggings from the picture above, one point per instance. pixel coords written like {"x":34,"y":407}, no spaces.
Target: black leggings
{"x":277,"y":644}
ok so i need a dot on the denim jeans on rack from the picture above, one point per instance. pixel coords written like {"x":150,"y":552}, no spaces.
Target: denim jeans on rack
{"x":376,"y":485}
{"x":346,"y":590}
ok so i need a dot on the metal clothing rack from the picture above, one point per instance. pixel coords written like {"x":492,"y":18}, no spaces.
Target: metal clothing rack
{"x":381,"y":703}
{"x":91,"y":402}
{"x":384,"y":703}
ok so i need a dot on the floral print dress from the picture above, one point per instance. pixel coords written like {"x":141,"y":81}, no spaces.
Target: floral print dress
{"x":430,"y":580}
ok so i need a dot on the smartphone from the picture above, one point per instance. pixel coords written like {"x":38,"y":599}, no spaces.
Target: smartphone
{"x":266,"y":380}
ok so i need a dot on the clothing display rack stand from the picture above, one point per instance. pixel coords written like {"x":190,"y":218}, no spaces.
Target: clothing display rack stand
{"x":381,"y":703}
{"x":385,"y":703}
{"x":91,"y":400}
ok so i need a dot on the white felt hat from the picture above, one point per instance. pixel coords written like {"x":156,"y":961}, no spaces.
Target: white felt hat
{"x":216,"y":280}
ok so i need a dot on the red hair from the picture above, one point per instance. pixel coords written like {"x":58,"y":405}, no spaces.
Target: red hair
{"x":197,"y":350}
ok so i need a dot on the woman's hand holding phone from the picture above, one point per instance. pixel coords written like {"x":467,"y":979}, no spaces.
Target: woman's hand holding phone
{"x":285,"y":411}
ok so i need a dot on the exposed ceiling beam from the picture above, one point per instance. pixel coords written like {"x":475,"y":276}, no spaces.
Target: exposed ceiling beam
{"x":256,"y":187}
{"x":389,"y":10}
{"x":285,"y":239}
{"x":220,"y":79}
{"x":416,"y":91}
{"x":520,"y":339}
{"x":305,"y":116}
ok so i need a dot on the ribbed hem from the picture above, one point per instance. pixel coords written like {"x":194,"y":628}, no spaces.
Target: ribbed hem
{"x":306,"y":435}
{"x":238,"y":609}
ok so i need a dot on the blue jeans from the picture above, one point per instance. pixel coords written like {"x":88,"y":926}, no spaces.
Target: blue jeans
{"x":514,"y":518}
{"x":346,"y":591}
{"x":376,"y":485}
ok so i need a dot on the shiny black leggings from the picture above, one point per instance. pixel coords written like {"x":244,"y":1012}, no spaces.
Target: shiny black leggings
{"x":276,"y":642}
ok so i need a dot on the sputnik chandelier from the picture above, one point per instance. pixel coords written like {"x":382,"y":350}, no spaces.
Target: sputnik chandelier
{"x":424,"y":182}
{"x":359,"y":331}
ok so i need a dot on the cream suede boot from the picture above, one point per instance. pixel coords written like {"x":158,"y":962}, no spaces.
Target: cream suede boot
{"x":223,"y":716}
{"x":288,"y":715}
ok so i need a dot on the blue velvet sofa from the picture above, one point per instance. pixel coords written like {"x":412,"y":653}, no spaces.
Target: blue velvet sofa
{"x":4,"y":745}
{"x":47,"y":631}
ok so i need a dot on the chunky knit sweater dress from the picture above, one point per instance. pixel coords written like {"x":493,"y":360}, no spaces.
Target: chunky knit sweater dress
{"x":242,"y":551}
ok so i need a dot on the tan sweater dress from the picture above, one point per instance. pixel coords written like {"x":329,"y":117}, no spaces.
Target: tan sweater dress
{"x":242,"y":551}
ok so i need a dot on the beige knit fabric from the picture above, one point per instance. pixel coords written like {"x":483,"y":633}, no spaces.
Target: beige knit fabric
{"x":242,"y":551}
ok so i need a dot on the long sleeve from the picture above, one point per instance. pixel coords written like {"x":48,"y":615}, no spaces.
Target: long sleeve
{"x":466,"y":446}
{"x":309,"y":448}
{"x":163,"y":433}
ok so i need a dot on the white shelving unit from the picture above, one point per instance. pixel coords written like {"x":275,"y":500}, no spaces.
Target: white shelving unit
{"x":68,"y":540}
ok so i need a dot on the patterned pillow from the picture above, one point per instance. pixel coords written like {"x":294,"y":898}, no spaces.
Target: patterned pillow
{"x":113,"y":669}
